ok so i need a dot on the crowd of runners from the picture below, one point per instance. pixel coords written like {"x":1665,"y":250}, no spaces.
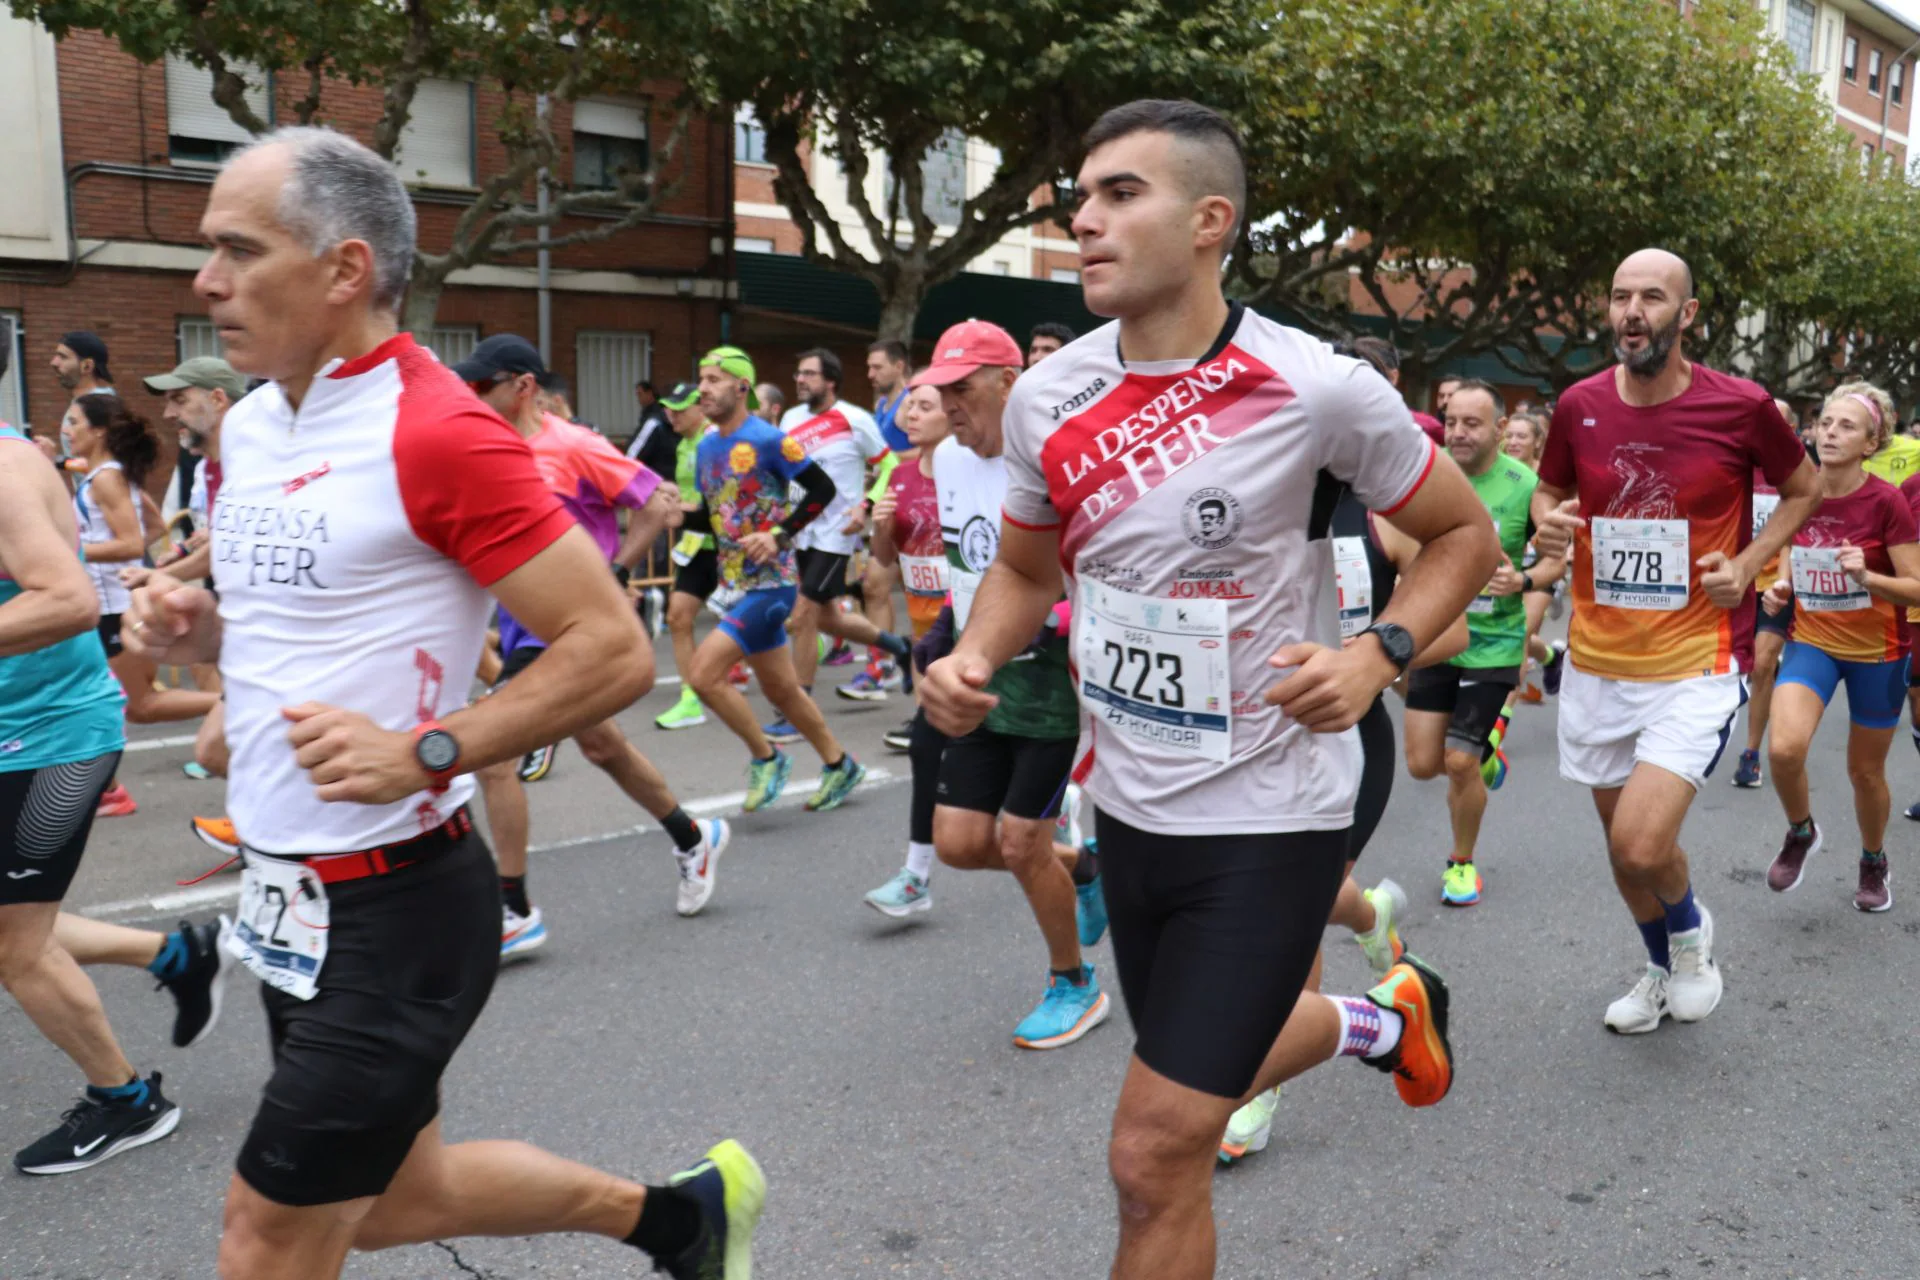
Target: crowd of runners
{"x":1158,"y":581}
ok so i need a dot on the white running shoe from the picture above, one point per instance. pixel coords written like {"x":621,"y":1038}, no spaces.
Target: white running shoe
{"x":1382,"y":944}
{"x":1640,"y":1010}
{"x":1695,"y":988}
{"x":696,"y":865}
{"x":521,"y":934}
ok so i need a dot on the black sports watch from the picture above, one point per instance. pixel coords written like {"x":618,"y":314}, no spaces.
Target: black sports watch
{"x":1396,"y":640}
{"x":622,"y":574}
{"x":437,"y":752}
{"x":1526,"y":583}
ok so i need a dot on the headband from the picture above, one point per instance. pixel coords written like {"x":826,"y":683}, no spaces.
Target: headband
{"x":1872,"y":408}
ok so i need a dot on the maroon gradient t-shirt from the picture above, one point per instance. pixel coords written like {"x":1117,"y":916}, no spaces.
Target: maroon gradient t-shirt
{"x":1660,"y":487}
{"x":1873,"y":517}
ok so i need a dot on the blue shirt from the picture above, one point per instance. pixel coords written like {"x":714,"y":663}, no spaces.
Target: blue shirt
{"x":883,"y":414}
{"x":60,"y":704}
{"x":743,"y":477}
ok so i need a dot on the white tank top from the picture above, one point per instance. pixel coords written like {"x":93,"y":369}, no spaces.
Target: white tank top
{"x":114,"y":597}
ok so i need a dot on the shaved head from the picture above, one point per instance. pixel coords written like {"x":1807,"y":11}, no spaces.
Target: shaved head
{"x":1208,"y":157}
{"x":1670,"y":268}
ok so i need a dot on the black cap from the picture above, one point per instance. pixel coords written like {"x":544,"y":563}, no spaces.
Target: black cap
{"x":88,"y":346}
{"x":507,"y":353}
{"x":682,"y":395}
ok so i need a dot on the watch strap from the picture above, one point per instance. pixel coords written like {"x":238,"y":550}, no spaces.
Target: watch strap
{"x":441,"y":778}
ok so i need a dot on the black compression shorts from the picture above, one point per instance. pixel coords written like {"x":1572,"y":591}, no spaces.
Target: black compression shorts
{"x":1471,"y":696}
{"x":411,"y":959}
{"x":109,"y":629}
{"x":45,"y":815}
{"x":989,"y":772}
{"x":1781,"y":622}
{"x":698,"y":577}
{"x":823,"y":575}
{"x":1377,"y":763}
{"x":1214,"y":938}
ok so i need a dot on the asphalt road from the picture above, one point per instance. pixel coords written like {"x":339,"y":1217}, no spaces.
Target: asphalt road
{"x":869,"y":1065}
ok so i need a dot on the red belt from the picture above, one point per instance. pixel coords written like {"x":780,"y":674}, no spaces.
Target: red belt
{"x":336,"y":868}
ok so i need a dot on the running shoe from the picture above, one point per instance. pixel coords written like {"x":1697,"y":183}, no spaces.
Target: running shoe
{"x":1747,"y":772}
{"x":687,"y":713}
{"x":738,"y":676}
{"x":840,"y":655}
{"x":538,"y":763}
{"x":1090,"y":911}
{"x":195,"y":770}
{"x":730,"y":1190}
{"x":218,"y":835}
{"x":520,"y":934}
{"x":91,"y":1132}
{"x":1913,"y":811}
{"x":900,"y":739}
{"x":1422,"y":1063}
{"x":836,"y":784}
{"x":904,"y":895}
{"x":1249,"y":1128}
{"x":1552,"y":669}
{"x":1783,"y":876}
{"x":696,"y":865}
{"x":1064,"y":1014}
{"x":1640,"y":1010}
{"x":864,"y":687}
{"x":1382,"y":943}
{"x":766,"y":779}
{"x":780,"y":732}
{"x":1531,"y":694}
{"x":1460,"y":886}
{"x":1493,"y":771}
{"x":116,"y":802}
{"x":198,"y":988}
{"x":1874,"y":894}
{"x":1694,"y":989}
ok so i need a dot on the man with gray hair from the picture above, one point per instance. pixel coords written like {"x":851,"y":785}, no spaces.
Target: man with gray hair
{"x":371,"y":504}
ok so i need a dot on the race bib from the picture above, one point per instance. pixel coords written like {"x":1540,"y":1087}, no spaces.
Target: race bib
{"x":925,"y":576}
{"x":1480,"y":604}
{"x":687,"y":548}
{"x":1353,"y":578}
{"x":1640,"y":564}
{"x":281,"y":931}
{"x":1820,"y":585}
{"x":963,"y":583}
{"x":1156,"y":670}
{"x":1764,"y":505}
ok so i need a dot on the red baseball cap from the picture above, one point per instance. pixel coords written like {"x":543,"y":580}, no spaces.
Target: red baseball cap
{"x":969,"y":345}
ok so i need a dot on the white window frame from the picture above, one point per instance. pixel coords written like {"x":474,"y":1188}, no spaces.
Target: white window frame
{"x":13,"y":388}
{"x":193,"y":114}
{"x":1805,"y":12}
{"x":1850,"y":61}
{"x":436,"y":148}
{"x":452,"y":343}
{"x":1874,"y":61}
{"x":606,"y":365}
{"x":753,"y":244}
{"x":1064,"y":275}
{"x":749,"y":137}
{"x":621,"y":119}
{"x":195,"y":336}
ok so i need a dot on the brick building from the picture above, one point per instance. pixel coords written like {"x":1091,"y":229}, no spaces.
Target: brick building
{"x":109,"y":162}
{"x":1861,"y":53}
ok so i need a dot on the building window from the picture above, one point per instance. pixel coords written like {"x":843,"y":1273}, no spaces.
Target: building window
{"x":452,"y":343}
{"x":13,"y":394}
{"x":1897,"y":82}
{"x":199,"y":130}
{"x":752,"y":244}
{"x":1064,"y":275}
{"x":436,"y":147}
{"x":1866,"y":158}
{"x":1873,"y":72}
{"x":195,"y":336}
{"x":1799,"y":33}
{"x":1850,"y":60}
{"x":609,"y":141}
{"x":606,"y":366}
{"x":749,"y":139}
{"x":943,"y":180}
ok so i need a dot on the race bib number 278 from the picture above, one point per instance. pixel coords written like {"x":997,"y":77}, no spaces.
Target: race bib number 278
{"x":1640,"y":564}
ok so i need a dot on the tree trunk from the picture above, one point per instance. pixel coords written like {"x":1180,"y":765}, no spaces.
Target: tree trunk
{"x":899,"y":308}
{"x":423,"y":300}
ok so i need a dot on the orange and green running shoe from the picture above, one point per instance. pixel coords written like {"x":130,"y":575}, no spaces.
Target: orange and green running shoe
{"x":1422,"y":1063}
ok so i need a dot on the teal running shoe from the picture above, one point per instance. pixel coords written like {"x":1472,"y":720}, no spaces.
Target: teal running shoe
{"x":731,"y":1191}
{"x":836,"y":784}
{"x":766,"y":779}
{"x":904,"y":895}
{"x":1250,"y":1127}
{"x":1090,"y":911}
{"x":1064,"y":1014}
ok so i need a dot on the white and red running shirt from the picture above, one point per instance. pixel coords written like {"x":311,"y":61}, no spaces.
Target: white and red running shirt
{"x":354,"y":540}
{"x":1193,"y":501}
{"x":844,"y":440}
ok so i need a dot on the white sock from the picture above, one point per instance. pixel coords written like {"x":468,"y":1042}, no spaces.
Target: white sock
{"x":1367,"y":1030}
{"x":920,"y":859}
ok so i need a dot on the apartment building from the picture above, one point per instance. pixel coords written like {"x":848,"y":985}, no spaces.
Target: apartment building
{"x":109,"y":162}
{"x":1861,"y":53}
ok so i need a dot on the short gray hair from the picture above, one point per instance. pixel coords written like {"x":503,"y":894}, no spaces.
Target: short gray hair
{"x":338,"y":190}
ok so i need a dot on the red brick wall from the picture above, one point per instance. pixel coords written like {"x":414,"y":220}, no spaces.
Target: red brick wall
{"x":1855,"y":97}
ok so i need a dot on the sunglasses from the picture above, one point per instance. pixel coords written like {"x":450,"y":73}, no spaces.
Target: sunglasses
{"x":487,"y":384}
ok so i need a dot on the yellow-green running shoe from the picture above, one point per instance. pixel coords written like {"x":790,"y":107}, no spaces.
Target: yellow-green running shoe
{"x":731,"y":1191}
{"x":1382,"y":943}
{"x":1249,"y":1128}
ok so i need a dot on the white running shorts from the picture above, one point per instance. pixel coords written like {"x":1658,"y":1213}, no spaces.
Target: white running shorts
{"x":1608,"y":726}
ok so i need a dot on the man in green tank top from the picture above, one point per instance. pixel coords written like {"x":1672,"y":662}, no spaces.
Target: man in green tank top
{"x":696,"y":570}
{"x":1452,"y":709}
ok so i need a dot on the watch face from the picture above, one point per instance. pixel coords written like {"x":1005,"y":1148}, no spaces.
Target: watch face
{"x":437,"y":750}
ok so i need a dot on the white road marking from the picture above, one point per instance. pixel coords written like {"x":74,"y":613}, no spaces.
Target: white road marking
{"x":228,"y":891}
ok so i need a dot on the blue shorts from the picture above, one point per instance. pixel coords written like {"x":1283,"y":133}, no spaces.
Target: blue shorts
{"x":1876,"y":691}
{"x":758,"y":623}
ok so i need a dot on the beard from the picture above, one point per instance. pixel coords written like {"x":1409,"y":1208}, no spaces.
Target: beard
{"x":1652,"y":358}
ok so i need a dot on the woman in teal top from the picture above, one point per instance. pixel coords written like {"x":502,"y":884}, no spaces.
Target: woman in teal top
{"x":60,"y":741}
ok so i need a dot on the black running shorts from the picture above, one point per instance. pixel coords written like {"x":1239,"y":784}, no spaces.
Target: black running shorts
{"x":45,"y":815}
{"x":1471,"y":696}
{"x":514,"y":663}
{"x":698,"y":577}
{"x":990,"y":772}
{"x":411,"y":959}
{"x":109,"y":629}
{"x":823,"y":575}
{"x":1781,"y":623}
{"x":1377,"y":763}
{"x":1214,"y":939}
